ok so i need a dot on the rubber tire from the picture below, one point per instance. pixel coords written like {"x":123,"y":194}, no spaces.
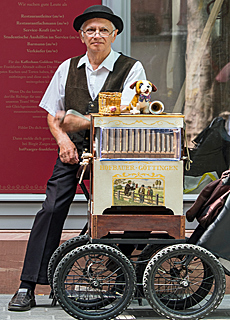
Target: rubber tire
{"x":166,"y":307}
{"x":147,"y":253}
{"x":61,"y":251}
{"x":95,"y":312}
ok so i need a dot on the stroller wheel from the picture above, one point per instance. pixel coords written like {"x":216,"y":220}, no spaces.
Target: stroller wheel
{"x":184,"y":282}
{"x":94,"y":282}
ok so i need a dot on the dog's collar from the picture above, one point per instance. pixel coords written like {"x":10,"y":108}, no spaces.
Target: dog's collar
{"x":142,"y":98}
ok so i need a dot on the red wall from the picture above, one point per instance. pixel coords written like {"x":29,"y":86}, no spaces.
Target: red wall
{"x":36,"y":36}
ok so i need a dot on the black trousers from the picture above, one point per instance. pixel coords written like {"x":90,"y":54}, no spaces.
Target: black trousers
{"x":47,"y":228}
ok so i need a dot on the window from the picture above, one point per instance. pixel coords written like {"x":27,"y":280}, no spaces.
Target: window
{"x":185,"y":49}
{"x":184,"y":46}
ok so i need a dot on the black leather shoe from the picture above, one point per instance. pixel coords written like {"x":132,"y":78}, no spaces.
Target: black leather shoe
{"x":23,"y":300}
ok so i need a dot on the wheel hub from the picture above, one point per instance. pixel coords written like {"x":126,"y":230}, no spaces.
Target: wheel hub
{"x":95,"y":284}
{"x":184,"y":283}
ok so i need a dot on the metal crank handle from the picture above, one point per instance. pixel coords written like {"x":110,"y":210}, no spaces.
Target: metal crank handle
{"x":82,"y":174}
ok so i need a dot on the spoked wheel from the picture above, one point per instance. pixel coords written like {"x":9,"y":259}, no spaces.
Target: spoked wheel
{"x":94,"y":282}
{"x":184,"y":282}
{"x":61,"y":251}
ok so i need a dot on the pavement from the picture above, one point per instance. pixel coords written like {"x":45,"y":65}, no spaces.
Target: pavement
{"x":44,"y":311}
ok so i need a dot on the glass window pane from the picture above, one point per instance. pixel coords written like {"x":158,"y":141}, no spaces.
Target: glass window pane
{"x":184,"y":46}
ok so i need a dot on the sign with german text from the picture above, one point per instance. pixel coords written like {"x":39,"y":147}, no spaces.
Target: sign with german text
{"x":36,"y":36}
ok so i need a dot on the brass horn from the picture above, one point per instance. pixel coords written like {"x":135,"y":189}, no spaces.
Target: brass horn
{"x":156,"y":107}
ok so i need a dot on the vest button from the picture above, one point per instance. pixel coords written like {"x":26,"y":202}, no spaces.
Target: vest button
{"x":86,"y":138}
{"x":86,"y":149}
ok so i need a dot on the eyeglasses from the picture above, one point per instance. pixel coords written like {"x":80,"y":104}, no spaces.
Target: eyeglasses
{"x":91,"y":32}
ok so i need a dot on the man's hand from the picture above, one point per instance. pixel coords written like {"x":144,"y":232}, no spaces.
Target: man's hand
{"x":59,"y":118}
{"x":68,"y":152}
{"x":70,"y":122}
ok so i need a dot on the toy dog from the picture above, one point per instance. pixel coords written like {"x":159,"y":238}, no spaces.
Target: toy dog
{"x":141,"y":101}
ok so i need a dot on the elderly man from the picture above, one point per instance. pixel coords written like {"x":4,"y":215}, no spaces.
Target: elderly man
{"x":75,"y":85}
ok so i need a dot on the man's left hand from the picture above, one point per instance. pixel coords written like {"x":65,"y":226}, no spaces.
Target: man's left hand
{"x":71,"y":123}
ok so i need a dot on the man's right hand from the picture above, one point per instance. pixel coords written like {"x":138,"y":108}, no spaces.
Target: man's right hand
{"x":68,"y":151}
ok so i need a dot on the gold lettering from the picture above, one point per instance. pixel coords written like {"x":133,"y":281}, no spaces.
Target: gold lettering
{"x":140,"y":167}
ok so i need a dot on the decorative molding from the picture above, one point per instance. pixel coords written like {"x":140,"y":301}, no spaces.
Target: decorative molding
{"x":158,"y":123}
{"x":20,"y":188}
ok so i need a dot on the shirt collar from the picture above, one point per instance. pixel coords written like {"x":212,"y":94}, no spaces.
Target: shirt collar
{"x":108,"y":63}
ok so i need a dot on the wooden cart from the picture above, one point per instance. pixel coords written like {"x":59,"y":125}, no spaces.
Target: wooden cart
{"x":135,"y":201}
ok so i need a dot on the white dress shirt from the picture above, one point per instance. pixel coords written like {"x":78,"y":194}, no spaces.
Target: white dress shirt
{"x":54,"y":97}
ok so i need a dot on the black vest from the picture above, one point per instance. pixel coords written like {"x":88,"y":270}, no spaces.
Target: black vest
{"x":77,"y":95}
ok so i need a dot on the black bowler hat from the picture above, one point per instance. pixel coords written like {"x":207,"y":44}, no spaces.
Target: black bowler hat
{"x":98,"y":11}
